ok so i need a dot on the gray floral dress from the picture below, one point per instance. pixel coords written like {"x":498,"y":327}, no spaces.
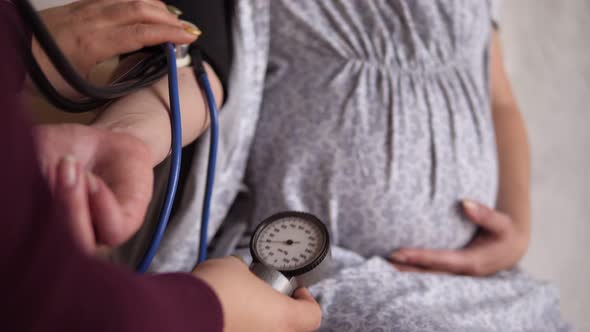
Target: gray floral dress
{"x":375,"y":116}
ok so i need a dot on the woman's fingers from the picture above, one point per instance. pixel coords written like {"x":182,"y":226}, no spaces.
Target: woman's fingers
{"x":479,"y":258}
{"x":71,"y":198}
{"x":416,"y":269}
{"x":489,"y":219}
{"x":409,"y":268}
{"x":453,"y":261}
{"x":307,"y":314}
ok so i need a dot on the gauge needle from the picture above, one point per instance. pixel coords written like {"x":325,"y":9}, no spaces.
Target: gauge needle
{"x":288,"y":242}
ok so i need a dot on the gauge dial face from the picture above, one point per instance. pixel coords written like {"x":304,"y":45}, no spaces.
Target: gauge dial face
{"x":289,"y":243}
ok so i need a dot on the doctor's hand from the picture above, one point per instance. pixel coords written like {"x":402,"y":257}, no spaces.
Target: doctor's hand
{"x":249,"y":304}
{"x":114,"y":171}
{"x":91,"y":31}
{"x":497,"y":246}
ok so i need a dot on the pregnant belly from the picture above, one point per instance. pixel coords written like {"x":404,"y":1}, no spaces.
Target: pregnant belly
{"x":372,"y":159}
{"x":364,"y":211}
{"x":377,"y":227}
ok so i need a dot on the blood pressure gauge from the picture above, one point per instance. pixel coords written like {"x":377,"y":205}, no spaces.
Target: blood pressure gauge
{"x":290,"y":250}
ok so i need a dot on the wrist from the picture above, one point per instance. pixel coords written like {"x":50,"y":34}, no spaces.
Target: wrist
{"x":523,"y":241}
{"x":519,"y":214}
{"x":133,"y":128}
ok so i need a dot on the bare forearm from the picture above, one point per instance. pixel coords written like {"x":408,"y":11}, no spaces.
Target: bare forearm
{"x":514,"y":163}
{"x":145,"y":114}
{"x":512,"y":145}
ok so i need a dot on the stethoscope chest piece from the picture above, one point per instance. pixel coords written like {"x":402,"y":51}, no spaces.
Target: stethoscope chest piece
{"x":290,"y":250}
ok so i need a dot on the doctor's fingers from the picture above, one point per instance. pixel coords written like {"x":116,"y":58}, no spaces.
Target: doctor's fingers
{"x":306,"y":313}
{"x":71,"y":202}
{"x":121,"y":13}
{"x":97,"y":3}
{"x":133,"y":37}
{"x":107,"y":216}
{"x":124,"y":185}
{"x":90,"y":35}
{"x":92,"y":50}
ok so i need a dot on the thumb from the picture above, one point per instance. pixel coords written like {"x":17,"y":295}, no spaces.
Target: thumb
{"x":489,"y":219}
{"x":306,"y":313}
{"x":106,"y":213}
{"x":72,"y":203}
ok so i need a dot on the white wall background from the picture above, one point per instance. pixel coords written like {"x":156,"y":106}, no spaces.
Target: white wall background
{"x":547,"y":49}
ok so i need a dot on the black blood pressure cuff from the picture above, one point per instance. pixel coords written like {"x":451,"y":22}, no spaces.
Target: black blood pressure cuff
{"x":213,"y":18}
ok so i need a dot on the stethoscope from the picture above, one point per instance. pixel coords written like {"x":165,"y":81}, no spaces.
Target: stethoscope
{"x":159,"y":62}
{"x":288,"y":249}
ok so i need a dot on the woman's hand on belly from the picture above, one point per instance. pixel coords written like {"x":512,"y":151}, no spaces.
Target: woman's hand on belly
{"x":497,"y":246}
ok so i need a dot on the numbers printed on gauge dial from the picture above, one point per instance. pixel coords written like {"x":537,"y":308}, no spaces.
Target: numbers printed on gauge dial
{"x":289,"y":243}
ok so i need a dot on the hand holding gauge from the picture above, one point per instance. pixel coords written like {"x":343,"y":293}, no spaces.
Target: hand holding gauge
{"x":290,"y":250}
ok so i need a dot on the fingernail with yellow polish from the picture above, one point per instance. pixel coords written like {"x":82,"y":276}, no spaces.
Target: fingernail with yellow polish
{"x":192,"y":29}
{"x":174,"y":10}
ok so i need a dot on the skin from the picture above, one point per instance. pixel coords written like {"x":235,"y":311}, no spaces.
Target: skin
{"x":122,"y":147}
{"x":133,"y":135}
{"x":144,"y":114}
{"x":90,"y":32}
{"x":248,"y":304}
{"x":504,"y":232}
{"x":118,"y":165}
{"x":500,"y":244}
{"x":101,"y":175}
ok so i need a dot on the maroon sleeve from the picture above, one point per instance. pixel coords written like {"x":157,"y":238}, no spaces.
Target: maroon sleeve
{"x":46,"y":283}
